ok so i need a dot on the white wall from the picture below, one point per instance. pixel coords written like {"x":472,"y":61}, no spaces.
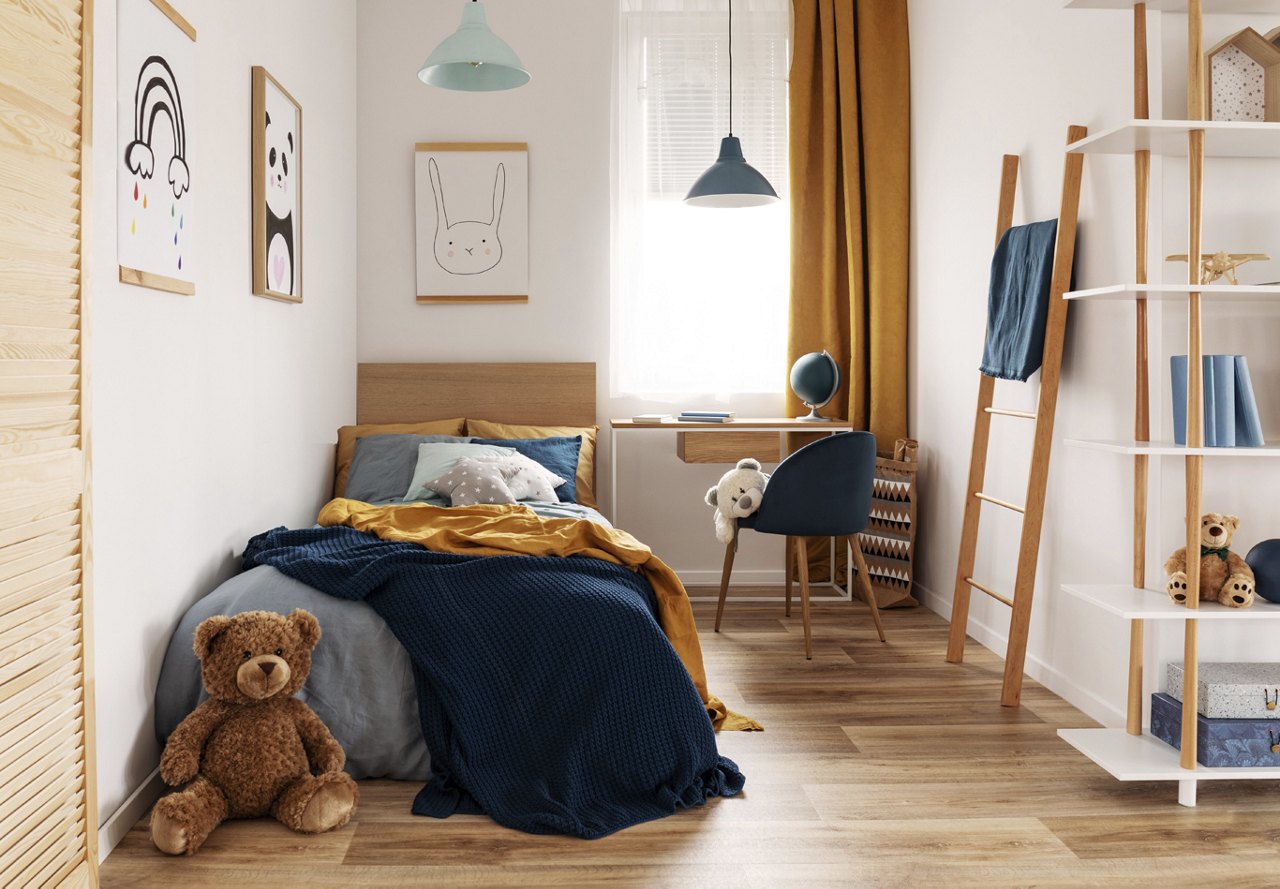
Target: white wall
{"x":564,"y":116}
{"x":996,"y":76}
{"x":214,"y":416}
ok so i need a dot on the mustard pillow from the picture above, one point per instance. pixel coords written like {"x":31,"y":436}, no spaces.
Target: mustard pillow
{"x":347,"y":436}
{"x":585,"y":481}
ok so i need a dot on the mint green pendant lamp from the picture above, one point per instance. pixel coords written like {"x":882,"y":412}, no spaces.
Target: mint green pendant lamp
{"x":731,"y":181}
{"x":473,"y":58}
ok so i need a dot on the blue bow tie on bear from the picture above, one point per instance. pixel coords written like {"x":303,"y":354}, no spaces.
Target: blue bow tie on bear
{"x":1219,"y":551}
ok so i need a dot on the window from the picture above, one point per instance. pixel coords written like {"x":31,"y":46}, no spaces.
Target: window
{"x":699,"y":295}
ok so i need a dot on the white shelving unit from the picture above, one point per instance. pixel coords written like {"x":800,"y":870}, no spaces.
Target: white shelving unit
{"x":1128,"y":753}
{"x":1168,"y":138}
{"x":1135,"y":448}
{"x":1133,"y":603}
{"x":1216,"y":293}
{"x":1210,"y":6}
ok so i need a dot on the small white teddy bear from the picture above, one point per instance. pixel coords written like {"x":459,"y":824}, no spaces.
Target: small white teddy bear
{"x":736,"y":496}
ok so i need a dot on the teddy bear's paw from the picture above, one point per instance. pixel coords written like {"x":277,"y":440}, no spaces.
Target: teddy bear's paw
{"x":331,"y":806}
{"x":168,"y":833}
{"x":169,"y":836}
{"x":1177,"y":587}
{"x":1237,"y":592}
{"x":178,"y":766}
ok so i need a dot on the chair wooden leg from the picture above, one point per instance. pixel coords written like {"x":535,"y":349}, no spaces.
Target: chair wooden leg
{"x":864,"y":578}
{"x":791,"y":565}
{"x":802,"y":557}
{"x":724,"y":577}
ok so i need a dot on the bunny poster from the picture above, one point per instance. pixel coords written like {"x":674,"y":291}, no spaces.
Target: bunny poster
{"x":473,"y":222}
{"x":156,"y":175}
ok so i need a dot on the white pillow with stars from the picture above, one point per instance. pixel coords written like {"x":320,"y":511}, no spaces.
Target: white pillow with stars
{"x":470,"y":482}
{"x":527,"y":478}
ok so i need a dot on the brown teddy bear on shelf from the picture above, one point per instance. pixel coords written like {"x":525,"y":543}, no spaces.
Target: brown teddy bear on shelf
{"x":252,"y":749}
{"x":1224,"y":576}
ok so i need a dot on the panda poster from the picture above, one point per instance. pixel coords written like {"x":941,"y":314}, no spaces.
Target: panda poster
{"x":472,"y":211}
{"x":277,"y":190}
{"x":157,"y":177}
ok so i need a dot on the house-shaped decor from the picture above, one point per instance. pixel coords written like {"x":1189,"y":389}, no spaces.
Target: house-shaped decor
{"x":1244,"y":78}
{"x":1274,"y":38}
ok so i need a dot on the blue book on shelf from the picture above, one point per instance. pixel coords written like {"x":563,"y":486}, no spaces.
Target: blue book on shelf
{"x":720,"y":414}
{"x":1224,"y":400}
{"x":1248,"y":425}
{"x":1178,"y":381}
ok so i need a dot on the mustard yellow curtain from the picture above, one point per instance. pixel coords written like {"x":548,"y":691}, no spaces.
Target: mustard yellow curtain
{"x":850,"y":163}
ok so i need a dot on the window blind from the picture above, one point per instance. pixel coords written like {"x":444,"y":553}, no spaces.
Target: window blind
{"x":685,"y":94}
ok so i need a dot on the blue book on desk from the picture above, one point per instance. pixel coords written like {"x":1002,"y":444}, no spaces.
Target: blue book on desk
{"x":709,"y":415}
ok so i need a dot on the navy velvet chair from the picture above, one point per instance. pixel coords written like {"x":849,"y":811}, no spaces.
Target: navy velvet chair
{"x":821,"y":490}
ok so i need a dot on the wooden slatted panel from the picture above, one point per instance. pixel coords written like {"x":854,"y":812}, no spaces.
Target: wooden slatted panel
{"x":15,"y":519}
{"x":48,"y":818}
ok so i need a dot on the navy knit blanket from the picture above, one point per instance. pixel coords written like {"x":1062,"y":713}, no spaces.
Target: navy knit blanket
{"x":549,"y":697}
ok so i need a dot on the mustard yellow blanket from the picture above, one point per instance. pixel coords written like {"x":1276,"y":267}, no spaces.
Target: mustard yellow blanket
{"x":512,"y":529}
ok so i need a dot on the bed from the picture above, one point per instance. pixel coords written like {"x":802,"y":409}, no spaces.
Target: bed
{"x":364,"y":684}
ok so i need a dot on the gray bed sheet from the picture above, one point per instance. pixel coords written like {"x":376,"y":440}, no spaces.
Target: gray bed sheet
{"x":361,"y":681}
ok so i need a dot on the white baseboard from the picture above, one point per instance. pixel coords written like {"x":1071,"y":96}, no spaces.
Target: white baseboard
{"x":1051,"y":678}
{"x":760,"y":577}
{"x":113,"y":830}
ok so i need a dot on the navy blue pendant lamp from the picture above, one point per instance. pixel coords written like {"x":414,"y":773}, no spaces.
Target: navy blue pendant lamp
{"x":731,"y":181}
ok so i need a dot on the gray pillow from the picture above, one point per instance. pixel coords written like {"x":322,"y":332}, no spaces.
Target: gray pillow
{"x":437,"y":458}
{"x":470,"y":482}
{"x":382,"y":466}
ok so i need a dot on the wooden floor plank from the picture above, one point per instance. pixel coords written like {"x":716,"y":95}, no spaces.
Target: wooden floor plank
{"x":1168,"y":833}
{"x":880,"y":765}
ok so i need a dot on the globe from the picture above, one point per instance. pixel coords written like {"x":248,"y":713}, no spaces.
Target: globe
{"x":815,"y":378}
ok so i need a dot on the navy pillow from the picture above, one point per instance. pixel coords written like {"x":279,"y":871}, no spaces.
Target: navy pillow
{"x":383,"y":465}
{"x":558,"y":454}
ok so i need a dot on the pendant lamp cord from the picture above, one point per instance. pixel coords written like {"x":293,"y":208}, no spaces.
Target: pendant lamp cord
{"x":730,"y":67}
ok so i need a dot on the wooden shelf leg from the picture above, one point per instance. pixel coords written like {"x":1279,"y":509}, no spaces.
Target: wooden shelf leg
{"x":1195,"y":385}
{"x":1133,"y":717}
{"x":1141,"y":396}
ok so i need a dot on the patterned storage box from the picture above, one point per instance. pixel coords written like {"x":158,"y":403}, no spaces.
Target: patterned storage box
{"x":1231,"y":691}
{"x":1219,"y":742}
{"x":890,"y":539}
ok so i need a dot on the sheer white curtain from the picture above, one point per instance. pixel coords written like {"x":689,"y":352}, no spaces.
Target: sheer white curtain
{"x":699,"y":294}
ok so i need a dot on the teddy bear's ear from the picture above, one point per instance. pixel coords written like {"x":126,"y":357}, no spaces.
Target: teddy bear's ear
{"x":749,"y":463}
{"x":210,"y":628}
{"x":308,"y":626}
{"x":712,"y":496}
{"x":1233,"y":521}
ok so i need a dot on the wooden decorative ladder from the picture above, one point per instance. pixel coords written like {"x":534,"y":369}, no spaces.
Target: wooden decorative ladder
{"x":1033,"y":509}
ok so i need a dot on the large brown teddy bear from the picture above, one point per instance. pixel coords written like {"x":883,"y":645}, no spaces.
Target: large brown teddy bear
{"x":252,"y":749}
{"x":1224,"y":576}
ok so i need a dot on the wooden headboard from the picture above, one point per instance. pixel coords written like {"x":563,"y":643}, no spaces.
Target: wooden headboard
{"x":551,"y":394}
